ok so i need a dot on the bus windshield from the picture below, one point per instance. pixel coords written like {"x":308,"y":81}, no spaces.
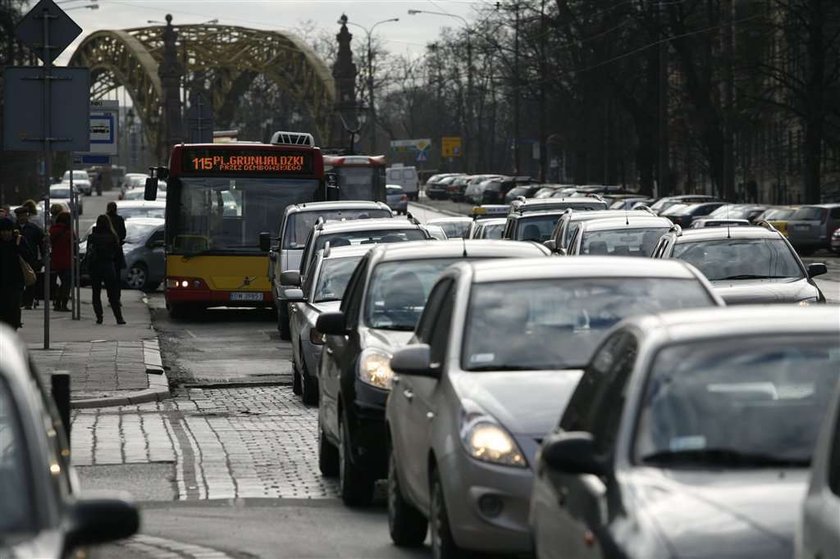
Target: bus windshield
{"x":227,"y":214}
{"x":361,"y":183}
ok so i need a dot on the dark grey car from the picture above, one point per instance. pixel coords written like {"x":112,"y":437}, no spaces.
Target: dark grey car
{"x":689,"y":435}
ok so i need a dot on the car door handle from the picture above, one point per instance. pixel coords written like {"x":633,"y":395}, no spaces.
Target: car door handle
{"x":409,"y":395}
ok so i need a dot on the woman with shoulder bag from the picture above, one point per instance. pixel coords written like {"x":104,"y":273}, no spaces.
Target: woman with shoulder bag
{"x":103,"y":255}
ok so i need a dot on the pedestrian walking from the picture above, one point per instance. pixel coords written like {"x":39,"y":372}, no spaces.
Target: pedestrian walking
{"x":13,"y":251}
{"x":103,"y":253}
{"x":35,"y":239}
{"x":61,"y":259}
{"x":117,"y":221}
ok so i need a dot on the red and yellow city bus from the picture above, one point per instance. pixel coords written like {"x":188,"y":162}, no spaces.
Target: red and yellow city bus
{"x":220,"y":197}
{"x":359,"y":177}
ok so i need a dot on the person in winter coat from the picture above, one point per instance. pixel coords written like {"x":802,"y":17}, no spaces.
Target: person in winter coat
{"x":13,"y":247}
{"x":61,"y":259}
{"x":103,"y":253}
{"x":35,"y":238}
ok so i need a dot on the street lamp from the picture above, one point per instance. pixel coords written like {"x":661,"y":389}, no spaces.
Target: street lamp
{"x":372,"y":107}
{"x":468,"y":123}
{"x":353,"y":128}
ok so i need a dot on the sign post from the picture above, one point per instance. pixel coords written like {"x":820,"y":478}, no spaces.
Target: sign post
{"x":47,"y":30}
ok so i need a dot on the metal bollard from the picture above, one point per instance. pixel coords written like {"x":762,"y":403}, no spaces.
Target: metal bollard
{"x":60,"y":388}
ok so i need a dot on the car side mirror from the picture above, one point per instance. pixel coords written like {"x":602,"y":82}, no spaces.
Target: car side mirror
{"x":265,"y":242}
{"x":415,"y":360}
{"x":571,"y":453}
{"x":817,"y":269}
{"x":294,"y":295}
{"x":100,"y":520}
{"x":550,"y":245}
{"x":332,"y":323}
{"x":290,"y":277}
{"x":150,"y":192}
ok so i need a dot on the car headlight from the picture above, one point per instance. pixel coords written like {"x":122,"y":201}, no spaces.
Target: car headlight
{"x":808,"y":301}
{"x":375,"y":370}
{"x":484,"y":439}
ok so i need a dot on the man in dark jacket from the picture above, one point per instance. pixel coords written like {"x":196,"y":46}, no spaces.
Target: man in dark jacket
{"x":34,"y":236}
{"x":13,"y":247}
{"x":117,"y":221}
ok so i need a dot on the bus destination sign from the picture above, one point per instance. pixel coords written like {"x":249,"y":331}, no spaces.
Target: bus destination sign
{"x":252,"y":161}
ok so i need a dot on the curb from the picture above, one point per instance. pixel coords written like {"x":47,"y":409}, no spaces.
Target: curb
{"x":158,"y":383}
{"x":438,"y":210}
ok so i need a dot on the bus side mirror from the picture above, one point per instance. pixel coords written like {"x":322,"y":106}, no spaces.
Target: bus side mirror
{"x":331,"y":181}
{"x":150,"y":193}
{"x":265,"y":242}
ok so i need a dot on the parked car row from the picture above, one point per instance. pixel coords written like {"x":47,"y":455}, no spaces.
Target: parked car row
{"x":542,"y":392}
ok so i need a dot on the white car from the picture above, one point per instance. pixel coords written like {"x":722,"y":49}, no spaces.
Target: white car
{"x":81,"y":181}
{"x":60,"y":194}
{"x":818,"y":533}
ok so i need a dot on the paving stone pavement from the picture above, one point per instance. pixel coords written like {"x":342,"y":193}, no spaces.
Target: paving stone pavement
{"x":227,"y":443}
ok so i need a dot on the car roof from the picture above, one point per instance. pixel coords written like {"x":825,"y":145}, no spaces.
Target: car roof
{"x":579,"y":266}
{"x":147,"y":220}
{"x":626,"y":221}
{"x":139,"y":203}
{"x":823,"y":206}
{"x":599,"y":214}
{"x":454,"y":248}
{"x":716,"y":233}
{"x":543,"y":212}
{"x":438,"y":220}
{"x":336,"y":205}
{"x":565,"y":202}
{"x":728,"y":322}
{"x":345,"y":251}
{"x":365,"y":225}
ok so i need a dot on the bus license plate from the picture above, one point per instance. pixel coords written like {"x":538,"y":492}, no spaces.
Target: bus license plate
{"x":246,"y":296}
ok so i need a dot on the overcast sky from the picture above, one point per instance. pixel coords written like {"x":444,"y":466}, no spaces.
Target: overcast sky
{"x":409,"y":35}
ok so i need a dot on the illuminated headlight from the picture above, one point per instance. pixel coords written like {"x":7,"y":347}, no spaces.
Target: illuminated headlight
{"x":375,"y":370}
{"x":808,"y":301}
{"x":486,"y":440}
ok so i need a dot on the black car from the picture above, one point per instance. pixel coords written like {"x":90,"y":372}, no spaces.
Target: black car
{"x":41,"y":512}
{"x":746,"y":265}
{"x":495,"y":191}
{"x":687,"y":214}
{"x":689,"y":434}
{"x":378,"y":313}
{"x":437,"y":187}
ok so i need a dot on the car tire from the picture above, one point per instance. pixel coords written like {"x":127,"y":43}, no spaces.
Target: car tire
{"x":406,"y":524}
{"x":443,"y":544}
{"x":355,"y":485}
{"x":308,"y":385}
{"x":327,"y":454}
{"x":137,"y":276}
{"x":283,"y":321}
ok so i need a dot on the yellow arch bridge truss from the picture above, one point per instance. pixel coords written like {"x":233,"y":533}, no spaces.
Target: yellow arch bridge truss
{"x":231,"y":56}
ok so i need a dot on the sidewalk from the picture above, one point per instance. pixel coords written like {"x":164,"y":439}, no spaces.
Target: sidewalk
{"x":109,"y":365}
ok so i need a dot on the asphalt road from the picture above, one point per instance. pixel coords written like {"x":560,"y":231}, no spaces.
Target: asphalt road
{"x":228,"y":466}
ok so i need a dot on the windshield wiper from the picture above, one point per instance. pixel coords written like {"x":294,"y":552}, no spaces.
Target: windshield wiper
{"x":750,"y":276}
{"x":723,"y":457}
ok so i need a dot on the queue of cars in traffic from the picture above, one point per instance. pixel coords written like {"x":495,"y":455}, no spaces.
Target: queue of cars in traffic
{"x":556,"y":372}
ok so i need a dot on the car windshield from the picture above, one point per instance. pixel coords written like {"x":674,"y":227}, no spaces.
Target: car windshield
{"x":536,"y":228}
{"x":141,"y":211}
{"x":731,"y":212}
{"x":60,"y":192}
{"x":359,"y":183}
{"x":810,"y":214}
{"x":622,"y":242}
{"x":398,"y":290}
{"x":777,"y":214}
{"x":16,"y":514}
{"x":556,"y":323}
{"x":454,"y":229}
{"x":137,"y":233}
{"x":493,"y":231}
{"x":393,"y":190}
{"x":333,"y":279}
{"x":732,"y":259}
{"x":299,"y":224}
{"x":742,"y":402}
{"x":77,"y":176}
{"x":369,"y":237}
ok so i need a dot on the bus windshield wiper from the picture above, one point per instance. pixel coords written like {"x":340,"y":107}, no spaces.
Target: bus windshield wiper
{"x":723,"y":457}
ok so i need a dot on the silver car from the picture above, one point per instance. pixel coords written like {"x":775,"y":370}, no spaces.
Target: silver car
{"x":326,"y":281}
{"x":497,"y":352}
{"x":396,"y":198}
{"x":145,"y":257}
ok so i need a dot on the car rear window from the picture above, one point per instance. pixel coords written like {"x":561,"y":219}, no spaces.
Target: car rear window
{"x":809,"y":213}
{"x":299,"y":224}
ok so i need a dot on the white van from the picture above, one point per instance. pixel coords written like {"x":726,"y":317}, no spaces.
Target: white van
{"x":404,"y":176}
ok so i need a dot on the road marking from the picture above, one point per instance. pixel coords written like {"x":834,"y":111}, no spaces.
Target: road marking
{"x":162,"y":548}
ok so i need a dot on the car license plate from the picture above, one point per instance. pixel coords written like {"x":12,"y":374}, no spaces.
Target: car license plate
{"x":239,"y":296}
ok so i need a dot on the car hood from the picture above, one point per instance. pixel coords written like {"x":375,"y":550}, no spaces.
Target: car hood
{"x":722,"y":514}
{"x":745,"y":292}
{"x":527,"y":403}
{"x":386,"y":340}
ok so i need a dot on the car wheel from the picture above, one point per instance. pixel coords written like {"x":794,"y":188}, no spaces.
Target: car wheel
{"x":308,"y":384}
{"x":327,"y":454}
{"x":443,"y":544}
{"x":406,"y":524}
{"x":355,"y":485}
{"x":283,"y":321}
{"x":137,"y":276}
